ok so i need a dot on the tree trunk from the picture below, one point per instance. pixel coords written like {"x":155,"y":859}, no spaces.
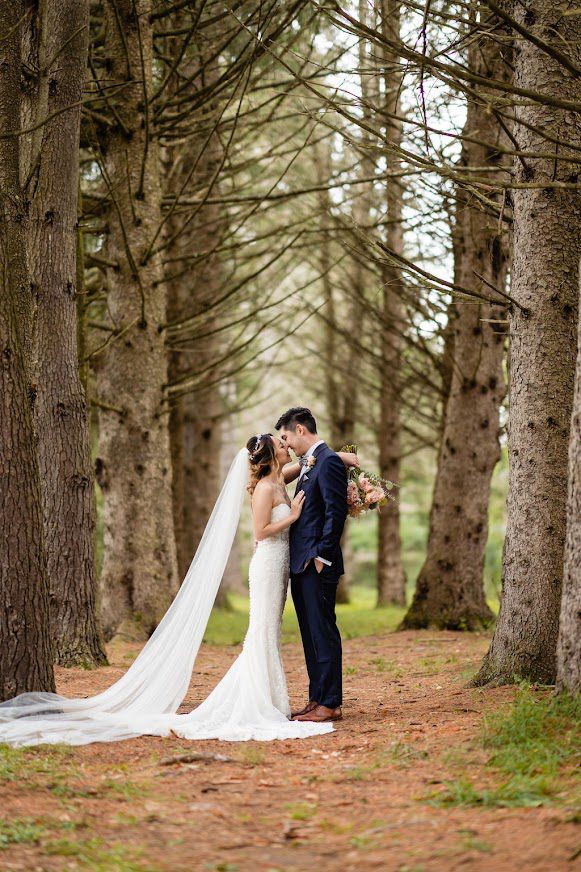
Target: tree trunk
{"x":196,"y":457}
{"x":340,"y":373}
{"x":542,"y":357}
{"x":235,"y":575}
{"x":193,"y":283}
{"x":134,"y":464}
{"x":61,"y":34}
{"x":449,"y":590}
{"x":25,"y":641}
{"x":569,"y":641}
{"x":391,"y":579}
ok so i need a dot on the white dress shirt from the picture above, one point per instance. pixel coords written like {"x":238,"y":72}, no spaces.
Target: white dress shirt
{"x":304,"y":470}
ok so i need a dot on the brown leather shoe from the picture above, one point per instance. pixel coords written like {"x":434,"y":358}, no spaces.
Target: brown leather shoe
{"x":320,"y":714}
{"x":308,"y":708}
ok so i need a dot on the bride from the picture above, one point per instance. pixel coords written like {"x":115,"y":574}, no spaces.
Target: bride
{"x":251,"y":701}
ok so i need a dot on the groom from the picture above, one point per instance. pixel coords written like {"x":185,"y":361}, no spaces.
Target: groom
{"x":316,"y":561}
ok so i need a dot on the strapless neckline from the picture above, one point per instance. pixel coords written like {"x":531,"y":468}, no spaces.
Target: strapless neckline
{"x":281,"y":506}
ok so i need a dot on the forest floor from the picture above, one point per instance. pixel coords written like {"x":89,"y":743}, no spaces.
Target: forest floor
{"x":405,"y":783}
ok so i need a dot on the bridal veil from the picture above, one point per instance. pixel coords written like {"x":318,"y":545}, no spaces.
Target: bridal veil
{"x":156,"y":683}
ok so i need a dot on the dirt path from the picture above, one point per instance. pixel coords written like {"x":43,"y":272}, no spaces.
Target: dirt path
{"x":356,"y":799}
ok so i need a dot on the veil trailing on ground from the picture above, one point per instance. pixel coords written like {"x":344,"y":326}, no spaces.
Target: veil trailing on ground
{"x":156,"y":683}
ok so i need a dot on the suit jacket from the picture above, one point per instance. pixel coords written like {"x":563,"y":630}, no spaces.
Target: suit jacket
{"x":318,"y":531}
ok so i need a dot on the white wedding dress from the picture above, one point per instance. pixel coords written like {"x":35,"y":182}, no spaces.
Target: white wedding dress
{"x":250,"y":702}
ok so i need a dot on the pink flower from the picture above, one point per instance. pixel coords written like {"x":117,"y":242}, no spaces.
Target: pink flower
{"x":352,"y":493}
{"x":364,"y":483}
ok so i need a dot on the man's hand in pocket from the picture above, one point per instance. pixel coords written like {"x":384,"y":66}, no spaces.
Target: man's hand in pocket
{"x":318,"y":565}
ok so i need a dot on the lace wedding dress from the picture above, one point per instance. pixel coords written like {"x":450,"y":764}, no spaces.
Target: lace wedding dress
{"x":251,"y":701}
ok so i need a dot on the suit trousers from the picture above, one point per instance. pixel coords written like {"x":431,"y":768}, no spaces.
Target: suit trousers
{"x":314,"y":600}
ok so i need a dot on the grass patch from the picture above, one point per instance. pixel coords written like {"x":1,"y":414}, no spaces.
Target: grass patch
{"x":516,"y":793}
{"x":20,"y":831}
{"x":470,"y":842}
{"x":24,"y":764}
{"x":536,"y":736}
{"x":338,"y":828}
{"x":358,"y":618}
{"x":105,"y":788}
{"x":222,"y":867}
{"x":252,"y":755}
{"x":404,"y":755}
{"x":430,"y":665}
{"x":93,"y":855}
{"x":534,"y":744}
{"x":301,"y":811}
{"x":53,"y":768}
{"x":383,"y":665}
{"x":363,"y":842}
{"x":124,"y":789}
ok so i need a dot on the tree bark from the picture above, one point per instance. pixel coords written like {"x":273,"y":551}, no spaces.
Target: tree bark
{"x":196,"y":452}
{"x":543,"y":336}
{"x":449,"y":590}
{"x":340,"y":362}
{"x":134,"y":468}
{"x":60,"y":33}
{"x":25,"y":643}
{"x":196,"y":417}
{"x":391,"y":579}
{"x":569,"y":640}
{"x":235,"y":574}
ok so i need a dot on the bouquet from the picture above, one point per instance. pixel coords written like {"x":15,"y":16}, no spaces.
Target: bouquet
{"x":366,"y":491}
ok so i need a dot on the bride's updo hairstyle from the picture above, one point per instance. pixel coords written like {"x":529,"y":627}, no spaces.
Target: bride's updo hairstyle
{"x":262,"y":458}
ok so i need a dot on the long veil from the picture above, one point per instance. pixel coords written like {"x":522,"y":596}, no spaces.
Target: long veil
{"x":155,"y":684}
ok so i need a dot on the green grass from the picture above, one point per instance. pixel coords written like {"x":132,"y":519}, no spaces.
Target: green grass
{"x":538,"y":735}
{"x":534,"y":745}
{"x":355,"y":619}
{"x":91,"y":855}
{"x":94,"y":855}
{"x":404,"y":755}
{"x":469,"y":842}
{"x":515,"y":793}
{"x":301,"y":811}
{"x":25,"y":764}
{"x":20,"y":831}
{"x":252,"y":754}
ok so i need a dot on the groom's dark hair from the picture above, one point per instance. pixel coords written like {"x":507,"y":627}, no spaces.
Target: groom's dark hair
{"x":297,"y":415}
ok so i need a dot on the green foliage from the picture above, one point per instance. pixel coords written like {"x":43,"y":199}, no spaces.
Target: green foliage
{"x":535,"y":745}
{"x":20,"y":831}
{"x":301,"y":811}
{"x":538,"y":735}
{"x":252,"y":754}
{"x":516,"y":793}
{"x":415,"y":496}
{"x":24,"y":764}
{"x":93,"y":855}
{"x":357,"y":618}
{"x":404,"y":755}
{"x":471,"y":843}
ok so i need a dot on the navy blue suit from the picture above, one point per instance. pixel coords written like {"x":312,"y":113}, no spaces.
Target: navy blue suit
{"x":317,"y":533}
